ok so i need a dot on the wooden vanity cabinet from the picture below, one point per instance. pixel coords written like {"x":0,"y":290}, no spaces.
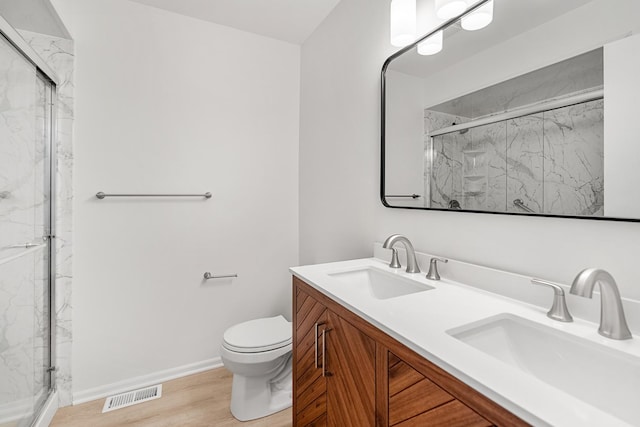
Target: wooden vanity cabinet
{"x":333,"y":368}
{"x":347,"y":373}
{"x":309,"y":385}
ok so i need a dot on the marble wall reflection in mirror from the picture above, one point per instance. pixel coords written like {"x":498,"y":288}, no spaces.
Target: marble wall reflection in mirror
{"x":535,"y":114}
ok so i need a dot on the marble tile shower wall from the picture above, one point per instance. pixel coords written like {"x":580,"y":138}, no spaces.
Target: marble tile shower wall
{"x":552,"y":161}
{"x":443,"y":161}
{"x":22,"y":202}
{"x":19,"y":158}
{"x":574,"y":159}
{"x":58,"y":53}
{"x":23,"y":341}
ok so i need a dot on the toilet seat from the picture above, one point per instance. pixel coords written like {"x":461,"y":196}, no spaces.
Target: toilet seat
{"x":259,"y":335}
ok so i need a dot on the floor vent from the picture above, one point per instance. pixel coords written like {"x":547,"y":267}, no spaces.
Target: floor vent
{"x":134,"y":397}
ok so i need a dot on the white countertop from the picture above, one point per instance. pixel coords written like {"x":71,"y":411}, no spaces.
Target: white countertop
{"x":420,"y":321}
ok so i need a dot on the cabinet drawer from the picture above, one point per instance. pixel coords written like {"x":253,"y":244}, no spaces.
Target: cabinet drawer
{"x":414,"y":400}
{"x":452,"y":414}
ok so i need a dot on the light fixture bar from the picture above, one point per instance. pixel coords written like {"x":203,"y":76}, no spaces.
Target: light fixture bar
{"x":420,"y":38}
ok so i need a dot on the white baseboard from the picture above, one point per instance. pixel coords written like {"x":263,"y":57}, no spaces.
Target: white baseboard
{"x":144,"y":380}
{"x":48,"y":411}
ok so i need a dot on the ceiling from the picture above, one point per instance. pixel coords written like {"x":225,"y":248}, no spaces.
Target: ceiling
{"x":288,"y":20}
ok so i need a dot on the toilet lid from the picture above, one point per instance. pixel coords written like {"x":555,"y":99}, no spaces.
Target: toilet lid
{"x":258,"y":335}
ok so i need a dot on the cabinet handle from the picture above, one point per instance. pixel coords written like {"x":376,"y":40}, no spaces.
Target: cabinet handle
{"x":325,"y":373}
{"x":316,"y":348}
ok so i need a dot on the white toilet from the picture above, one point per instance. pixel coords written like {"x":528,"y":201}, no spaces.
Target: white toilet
{"x":258,"y":353}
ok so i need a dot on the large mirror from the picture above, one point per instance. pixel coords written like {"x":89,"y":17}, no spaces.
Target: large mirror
{"x":538,"y":113}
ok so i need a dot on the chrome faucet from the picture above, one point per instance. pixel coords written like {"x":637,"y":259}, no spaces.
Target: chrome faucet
{"x":412,"y":264}
{"x":433,"y":268}
{"x":558,"y":310}
{"x":612,"y":321}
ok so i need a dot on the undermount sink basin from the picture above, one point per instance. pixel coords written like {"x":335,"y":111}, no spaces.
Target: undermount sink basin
{"x":379,"y":284}
{"x":600,"y":376}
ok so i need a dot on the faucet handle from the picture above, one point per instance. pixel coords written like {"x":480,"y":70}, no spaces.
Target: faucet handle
{"x":433,"y":268}
{"x":395,"y":263}
{"x":558,"y":310}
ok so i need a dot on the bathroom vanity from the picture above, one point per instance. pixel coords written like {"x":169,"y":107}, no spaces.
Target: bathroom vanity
{"x":375,"y":345}
{"x":349,"y":372}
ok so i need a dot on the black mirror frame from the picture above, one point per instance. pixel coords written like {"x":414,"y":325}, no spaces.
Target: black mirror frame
{"x":383,"y":73}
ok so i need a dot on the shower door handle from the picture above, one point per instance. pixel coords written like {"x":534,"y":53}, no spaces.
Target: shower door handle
{"x":23,"y":245}
{"x":26,"y":245}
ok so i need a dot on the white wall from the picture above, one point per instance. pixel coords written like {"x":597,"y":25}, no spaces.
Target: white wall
{"x":167,"y":103}
{"x":405,"y":126}
{"x":353,"y":41}
{"x":622,"y":127}
{"x":339,"y":136}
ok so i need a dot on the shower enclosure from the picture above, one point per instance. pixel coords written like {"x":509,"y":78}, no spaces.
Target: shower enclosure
{"x":550,"y":162}
{"x":27,"y":98}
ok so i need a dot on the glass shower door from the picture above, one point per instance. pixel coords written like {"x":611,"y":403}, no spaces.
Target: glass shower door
{"x":25,"y":219}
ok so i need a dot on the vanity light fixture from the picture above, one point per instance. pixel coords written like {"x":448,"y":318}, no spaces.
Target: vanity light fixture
{"x":431,"y":45}
{"x":447,"y":9}
{"x":479,"y":18}
{"x":403,"y":22}
{"x":412,"y":17}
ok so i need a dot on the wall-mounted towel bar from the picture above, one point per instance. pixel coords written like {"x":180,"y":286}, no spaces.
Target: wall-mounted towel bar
{"x":413,"y":196}
{"x":208,"y":276}
{"x":520,"y":204}
{"x":102,"y":195}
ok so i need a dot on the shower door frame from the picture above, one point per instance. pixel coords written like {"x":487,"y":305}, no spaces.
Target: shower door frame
{"x":51,"y":81}
{"x":541,"y":107}
{"x":50,"y":217}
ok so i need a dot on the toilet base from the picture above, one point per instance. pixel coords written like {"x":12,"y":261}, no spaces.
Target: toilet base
{"x":260,"y":396}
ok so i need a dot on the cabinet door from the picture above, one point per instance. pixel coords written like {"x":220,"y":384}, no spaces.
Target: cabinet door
{"x":310,"y":400}
{"x":414,"y":400}
{"x":350,"y":366}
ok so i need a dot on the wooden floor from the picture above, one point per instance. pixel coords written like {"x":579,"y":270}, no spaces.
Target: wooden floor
{"x":197,"y":400}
